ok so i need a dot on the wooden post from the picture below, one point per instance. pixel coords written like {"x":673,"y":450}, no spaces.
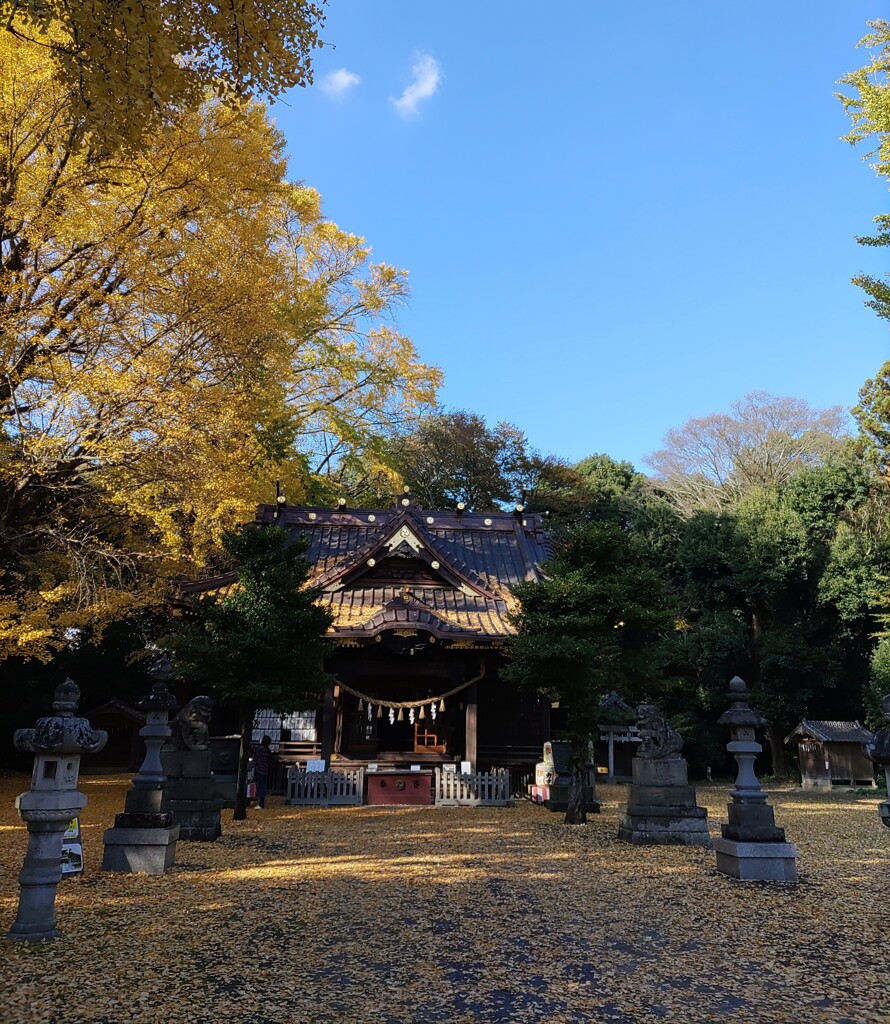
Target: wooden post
{"x":545,"y":720}
{"x":338,"y":717}
{"x":327,"y":725}
{"x":470,"y":750}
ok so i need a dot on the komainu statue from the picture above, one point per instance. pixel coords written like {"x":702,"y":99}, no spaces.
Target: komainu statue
{"x":878,"y":750}
{"x":191,"y":727}
{"x":659,"y":740}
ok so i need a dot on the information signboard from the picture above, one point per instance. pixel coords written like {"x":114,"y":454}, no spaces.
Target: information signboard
{"x":72,"y":850}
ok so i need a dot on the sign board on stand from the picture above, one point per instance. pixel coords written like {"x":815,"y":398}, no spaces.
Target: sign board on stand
{"x":72,"y":850}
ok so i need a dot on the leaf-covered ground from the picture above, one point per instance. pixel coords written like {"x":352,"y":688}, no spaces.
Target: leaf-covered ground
{"x":447,"y":916}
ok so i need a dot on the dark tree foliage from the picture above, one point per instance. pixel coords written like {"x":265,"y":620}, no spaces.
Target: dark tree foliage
{"x":781,"y":591}
{"x":597,"y":623}
{"x":261,"y":646}
{"x":113,"y":664}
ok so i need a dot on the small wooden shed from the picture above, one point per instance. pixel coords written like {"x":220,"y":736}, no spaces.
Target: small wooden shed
{"x":125,"y":748}
{"x":831,"y":754}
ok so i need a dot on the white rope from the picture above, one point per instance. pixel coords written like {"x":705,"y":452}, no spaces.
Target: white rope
{"x":396,"y":704}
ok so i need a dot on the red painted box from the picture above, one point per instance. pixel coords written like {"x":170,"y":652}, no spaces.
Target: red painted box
{"x":400,"y":787}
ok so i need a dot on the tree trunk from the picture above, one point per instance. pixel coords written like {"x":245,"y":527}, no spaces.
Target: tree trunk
{"x":781,"y":765}
{"x":240,"y":813}
{"x":576,"y":814}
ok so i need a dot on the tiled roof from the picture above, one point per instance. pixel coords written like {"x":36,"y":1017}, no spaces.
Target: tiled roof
{"x":831,"y":731}
{"x":471,"y":562}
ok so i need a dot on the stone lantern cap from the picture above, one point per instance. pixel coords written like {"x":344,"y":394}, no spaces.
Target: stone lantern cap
{"x":740,"y":712}
{"x":158,"y":699}
{"x":63,"y":732}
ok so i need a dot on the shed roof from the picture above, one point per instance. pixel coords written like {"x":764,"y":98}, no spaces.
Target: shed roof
{"x":447,"y":573}
{"x":829,"y":731}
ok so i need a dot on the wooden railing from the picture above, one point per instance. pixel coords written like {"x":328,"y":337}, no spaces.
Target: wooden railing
{"x":325,"y":789}
{"x":475,"y":789}
{"x":291,"y":751}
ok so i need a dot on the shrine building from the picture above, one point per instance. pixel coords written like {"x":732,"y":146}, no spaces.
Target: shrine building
{"x":421,"y":603}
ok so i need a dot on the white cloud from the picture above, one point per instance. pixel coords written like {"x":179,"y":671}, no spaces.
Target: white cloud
{"x":427,"y":76}
{"x":338,"y":83}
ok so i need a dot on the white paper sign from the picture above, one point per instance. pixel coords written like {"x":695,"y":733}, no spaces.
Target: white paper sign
{"x":415,"y":767}
{"x":314,"y":765}
{"x":465,"y":767}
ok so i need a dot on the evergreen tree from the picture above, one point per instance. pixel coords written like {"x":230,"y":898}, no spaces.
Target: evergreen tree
{"x":263,"y":644}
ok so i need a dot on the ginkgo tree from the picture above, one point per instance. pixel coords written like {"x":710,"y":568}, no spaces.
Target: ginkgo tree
{"x":868,"y":107}
{"x":131,"y":68}
{"x":178,"y":328}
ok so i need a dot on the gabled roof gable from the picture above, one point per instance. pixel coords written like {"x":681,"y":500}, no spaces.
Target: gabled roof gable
{"x":831,"y":731}
{"x":404,"y":530}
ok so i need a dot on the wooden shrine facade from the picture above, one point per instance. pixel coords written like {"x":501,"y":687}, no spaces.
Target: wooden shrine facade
{"x":422,"y":604}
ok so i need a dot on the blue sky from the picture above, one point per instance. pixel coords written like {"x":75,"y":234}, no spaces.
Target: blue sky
{"x":616,"y":216}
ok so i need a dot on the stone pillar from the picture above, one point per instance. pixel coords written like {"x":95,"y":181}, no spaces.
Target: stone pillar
{"x":144,"y":837}
{"x":878,"y":752}
{"x":752,"y":847}
{"x":53,"y":800}
{"x":661,"y":807}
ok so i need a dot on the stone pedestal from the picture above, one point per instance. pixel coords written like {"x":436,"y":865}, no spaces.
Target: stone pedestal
{"x":557,"y":797}
{"x":149,"y":851}
{"x":192,"y":798}
{"x":761,"y":862}
{"x":661,"y":807}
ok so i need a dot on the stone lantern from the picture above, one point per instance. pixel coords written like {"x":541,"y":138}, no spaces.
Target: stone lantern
{"x":752,"y":847}
{"x":144,"y":837}
{"x":58,"y":741}
{"x":878,"y":752}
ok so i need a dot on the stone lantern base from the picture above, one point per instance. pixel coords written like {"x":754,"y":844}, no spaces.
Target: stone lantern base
{"x":148,"y":851}
{"x":756,"y":862}
{"x":661,"y":808}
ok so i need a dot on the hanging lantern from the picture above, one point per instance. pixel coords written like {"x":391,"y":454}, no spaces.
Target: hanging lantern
{"x":442,"y":704}
{"x":401,"y":715}
{"x":411,"y":715}
{"x":380,"y":711}
{"x":422,"y":713}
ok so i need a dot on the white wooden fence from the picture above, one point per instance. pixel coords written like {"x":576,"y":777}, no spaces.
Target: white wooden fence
{"x":456,"y":789}
{"x":327,"y":789}
{"x":453,"y":789}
